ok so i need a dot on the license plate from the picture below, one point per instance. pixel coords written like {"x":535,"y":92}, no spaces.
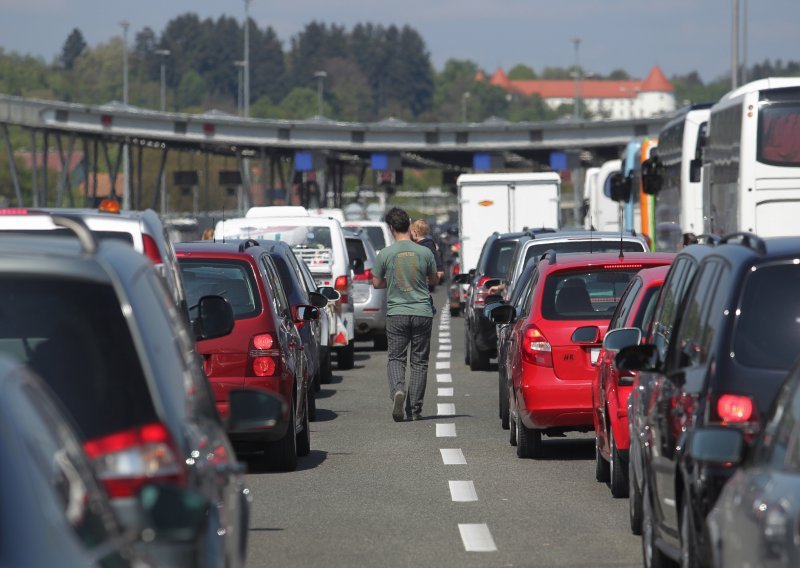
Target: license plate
{"x":595,"y":353}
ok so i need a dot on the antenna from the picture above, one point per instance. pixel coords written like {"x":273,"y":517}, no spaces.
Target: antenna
{"x":621,"y":254}
{"x":223,"y":224}
{"x":214,"y":233}
{"x":591,"y":231}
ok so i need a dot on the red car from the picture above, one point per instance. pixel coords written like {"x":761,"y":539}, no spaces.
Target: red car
{"x":264,"y":349}
{"x":556,"y":342}
{"x":611,"y":387}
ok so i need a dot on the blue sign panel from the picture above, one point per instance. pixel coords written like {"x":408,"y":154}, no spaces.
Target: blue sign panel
{"x":303,"y":161}
{"x":558,"y":161}
{"x":379,"y":161}
{"x":481,"y":161}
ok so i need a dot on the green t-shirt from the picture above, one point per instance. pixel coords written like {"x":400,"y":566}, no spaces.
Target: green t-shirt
{"x":406,"y":266}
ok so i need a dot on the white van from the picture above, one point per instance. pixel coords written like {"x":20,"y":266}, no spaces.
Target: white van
{"x":320,"y":243}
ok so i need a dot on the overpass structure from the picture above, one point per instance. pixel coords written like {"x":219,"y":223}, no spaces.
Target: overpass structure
{"x":281,"y":145}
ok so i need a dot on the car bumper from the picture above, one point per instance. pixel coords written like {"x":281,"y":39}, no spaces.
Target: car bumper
{"x":545,"y":401}
{"x":370,"y":313}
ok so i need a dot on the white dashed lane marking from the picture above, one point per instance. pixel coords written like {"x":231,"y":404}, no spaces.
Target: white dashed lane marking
{"x":477,"y":538}
{"x":442,"y":364}
{"x":444,"y":339}
{"x":443,"y":355}
{"x":462,"y":491}
{"x":445,"y":430}
{"x":445,"y":409}
{"x":444,"y":378}
{"x":453,"y":456}
{"x":445,"y":391}
{"x":445,"y":347}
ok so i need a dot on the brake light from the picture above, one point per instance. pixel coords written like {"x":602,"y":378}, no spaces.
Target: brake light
{"x":13,"y":211}
{"x":735,"y":408}
{"x":609,"y":266}
{"x":151,"y":249}
{"x":125,"y":461}
{"x":366,"y":275}
{"x":263,"y":356}
{"x":480,"y":292}
{"x":535,"y":347}
{"x":456,"y":270}
{"x":342,"y":285}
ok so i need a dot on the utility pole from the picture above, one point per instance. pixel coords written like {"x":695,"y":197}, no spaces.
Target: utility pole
{"x":464,"y":98}
{"x":735,"y":46}
{"x":239,"y":88}
{"x":577,"y":42}
{"x":246,"y":102}
{"x":163,"y":53}
{"x":320,"y":77}
{"x":126,"y":166}
{"x":744,"y":41}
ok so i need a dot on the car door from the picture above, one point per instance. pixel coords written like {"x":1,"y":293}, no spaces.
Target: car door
{"x":516,"y":337}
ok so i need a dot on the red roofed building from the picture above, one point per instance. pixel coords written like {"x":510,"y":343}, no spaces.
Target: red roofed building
{"x":616,"y":100}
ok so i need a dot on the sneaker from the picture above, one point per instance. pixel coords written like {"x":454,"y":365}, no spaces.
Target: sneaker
{"x":398,"y":412}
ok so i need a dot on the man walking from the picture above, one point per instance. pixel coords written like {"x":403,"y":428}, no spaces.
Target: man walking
{"x":406,"y":269}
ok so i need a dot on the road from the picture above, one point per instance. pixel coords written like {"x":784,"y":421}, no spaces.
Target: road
{"x":378,"y":493}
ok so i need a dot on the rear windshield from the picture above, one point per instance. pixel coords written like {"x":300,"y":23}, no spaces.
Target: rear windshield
{"x":537,"y":250}
{"x":581,"y":295}
{"x":117,"y":236}
{"x":231,"y":279}
{"x":355,"y":249}
{"x":499,"y":257}
{"x":74,"y":336}
{"x":768,"y":323}
{"x":375,"y":236}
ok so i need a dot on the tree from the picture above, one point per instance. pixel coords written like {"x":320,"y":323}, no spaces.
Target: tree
{"x":267,"y":65}
{"x":72,"y":49}
{"x":191,"y":90}
{"x":301,"y":103}
{"x":521,"y":72}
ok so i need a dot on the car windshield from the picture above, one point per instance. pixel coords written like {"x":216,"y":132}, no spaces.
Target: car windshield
{"x":580,"y":295}
{"x":375,"y":236}
{"x":231,"y":279}
{"x":768,"y":318}
{"x":74,"y":335}
{"x":538,"y":249}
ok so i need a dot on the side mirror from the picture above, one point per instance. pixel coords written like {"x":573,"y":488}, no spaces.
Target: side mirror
{"x":357,"y":265}
{"x":472,"y":273}
{"x":259,"y":412}
{"x":638,"y":358}
{"x":302,"y":312}
{"x":331,"y":294}
{"x":717,"y":446}
{"x":616,"y":339}
{"x":620,"y":187}
{"x":652,"y":175}
{"x":695,"y":170}
{"x":502,"y":314}
{"x":463,"y":278}
{"x":586,"y":334}
{"x":214,"y":319}
{"x":318,"y":300}
{"x":172,"y":513}
{"x":492,"y":282}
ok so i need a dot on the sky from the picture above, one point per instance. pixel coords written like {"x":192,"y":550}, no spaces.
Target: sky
{"x":679,"y":35}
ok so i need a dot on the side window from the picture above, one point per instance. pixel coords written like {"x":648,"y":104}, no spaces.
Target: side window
{"x":716,"y":310}
{"x":785,"y":435}
{"x":276,"y":290}
{"x":527,"y":298}
{"x":666,"y":309}
{"x":625,"y":304}
{"x":689,"y":350}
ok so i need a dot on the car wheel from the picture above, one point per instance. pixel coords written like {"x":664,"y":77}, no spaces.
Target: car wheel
{"x":634,"y":501}
{"x":652,"y":555}
{"x":503,"y":398}
{"x":312,"y":401}
{"x":282,"y":454}
{"x":689,"y":553}
{"x":529,"y":441}
{"x":346,"y":356}
{"x":512,"y":431}
{"x":467,"y":352}
{"x":618,"y":472}
{"x":380,"y":342}
{"x":455,"y":312}
{"x":325,"y":374}
{"x":601,"y":472}
{"x":478,"y":360}
{"x":304,"y":437}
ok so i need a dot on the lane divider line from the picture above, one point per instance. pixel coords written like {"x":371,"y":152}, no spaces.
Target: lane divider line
{"x":442,"y":355}
{"x":446,"y":431}
{"x":453,"y":456}
{"x":442,"y":364}
{"x":444,"y":378}
{"x":462,"y":491}
{"x":445,"y":347}
{"x":445,"y":391}
{"x":445,"y":409}
{"x":477,"y":538}
{"x":444,"y":339}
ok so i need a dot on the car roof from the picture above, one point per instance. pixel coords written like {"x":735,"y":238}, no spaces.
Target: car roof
{"x":654,"y":276}
{"x":567,"y":261}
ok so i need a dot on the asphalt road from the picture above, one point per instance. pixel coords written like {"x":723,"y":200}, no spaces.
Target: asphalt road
{"x":378,"y":493}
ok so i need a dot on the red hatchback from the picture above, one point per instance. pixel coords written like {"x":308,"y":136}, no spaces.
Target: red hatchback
{"x":611,"y":387}
{"x":264,"y":349}
{"x":555,"y":344}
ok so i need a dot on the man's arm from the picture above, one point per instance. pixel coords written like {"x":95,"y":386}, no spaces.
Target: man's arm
{"x":378,"y":283}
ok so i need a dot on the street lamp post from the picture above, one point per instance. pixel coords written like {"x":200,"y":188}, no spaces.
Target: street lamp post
{"x":164,"y":53}
{"x":246,"y":94}
{"x":239,"y":88}
{"x":464,"y":98}
{"x":577,"y":42}
{"x":320,"y":77}
{"x":126,"y":192}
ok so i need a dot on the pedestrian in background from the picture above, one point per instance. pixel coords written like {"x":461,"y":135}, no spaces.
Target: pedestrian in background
{"x":420,"y":234}
{"x":406,"y":269}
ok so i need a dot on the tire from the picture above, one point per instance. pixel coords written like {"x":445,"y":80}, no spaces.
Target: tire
{"x":282,"y":454}
{"x":325,"y":374}
{"x":512,"y":431}
{"x":618,"y":471}
{"x":529,"y":441}
{"x":689,"y":552}
{"x":467,"y":351}
{"x":478,"y":360}
{"x":601,"y":468}
{"x":345,"y":357}
{"x":380,"y":342}
{"x":652,"y":556}
{"x":304,"y":437}
{"x":503,"y":398}
{"x":634,"y":501}
{"x":312,"y":400}
{"x":455,"y":312}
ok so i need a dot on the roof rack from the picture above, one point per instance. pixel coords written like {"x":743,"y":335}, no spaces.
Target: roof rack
{"x":549,"y":254}
{"x":531,"y":232}
{"x":749,"y":240}
{"x":709,"y":239}
{"x":79,"y":228}
{"x":247,"y":243}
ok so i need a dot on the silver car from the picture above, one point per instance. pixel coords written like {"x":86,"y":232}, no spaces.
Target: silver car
{"x":370,"y":304}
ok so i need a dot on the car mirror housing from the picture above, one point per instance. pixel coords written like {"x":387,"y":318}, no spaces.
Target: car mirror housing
{"x":317,"y":300}
{"x":331,"y":294}
{"x":586,"y":334}
{"x":492,"y":282}
{"x":463,"y":278}
{"x":214,"y":319}
{"x":616,"y":339}
{"x":172,"y":513}
{"x":717,"y":446}
{"x":257,"y":410}
{"x":638,"y":358}
{"x":303,"y":312}
{"x":502,"y":314}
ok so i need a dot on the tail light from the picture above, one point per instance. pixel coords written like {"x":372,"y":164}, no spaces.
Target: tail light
{"x":456,"y":270}
{"x":151,"y":249}
{"x":535,"y":347}
{"x":341,"y":285}
{"x":263,"y":356}
{"x":735,"y":408}
{"x":366,"y":275}
{"x":125,"y":461}
{"x":480,"y":292}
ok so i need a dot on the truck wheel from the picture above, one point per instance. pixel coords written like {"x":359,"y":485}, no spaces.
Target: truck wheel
{"x":345,"y":356}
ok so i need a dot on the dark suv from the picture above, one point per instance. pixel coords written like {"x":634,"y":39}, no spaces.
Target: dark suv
{"x":721,"y":362}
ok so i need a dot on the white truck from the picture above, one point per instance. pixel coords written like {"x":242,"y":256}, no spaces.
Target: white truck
{"x":504,"y":202}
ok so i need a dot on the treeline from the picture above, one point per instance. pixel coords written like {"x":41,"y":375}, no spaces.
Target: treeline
{"x":371,"y":72}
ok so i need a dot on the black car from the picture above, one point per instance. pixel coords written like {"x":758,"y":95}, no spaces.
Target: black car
{"x":95,"y":321}
{"x":735,"y":338}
